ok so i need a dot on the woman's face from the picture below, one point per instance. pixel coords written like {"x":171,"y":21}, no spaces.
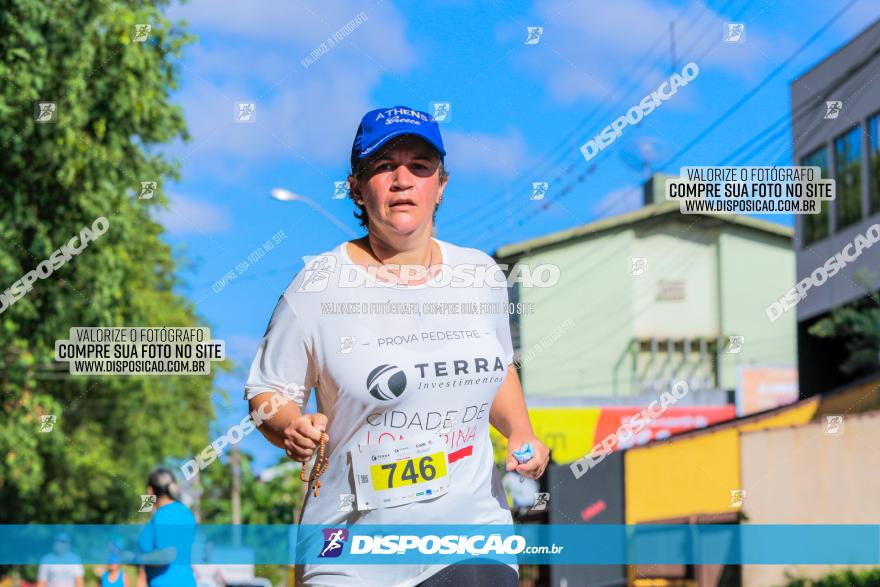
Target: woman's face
{"x":401,"y":187}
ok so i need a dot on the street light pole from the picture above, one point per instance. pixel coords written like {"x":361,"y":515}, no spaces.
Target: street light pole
{"x":284,"y":195}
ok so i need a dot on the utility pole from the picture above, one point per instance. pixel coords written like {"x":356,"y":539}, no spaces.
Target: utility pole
{"x":235,"y":464}
{"x":197,"y":496}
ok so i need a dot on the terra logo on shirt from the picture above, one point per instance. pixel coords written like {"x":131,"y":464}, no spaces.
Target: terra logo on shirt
{"x":388,"y":382}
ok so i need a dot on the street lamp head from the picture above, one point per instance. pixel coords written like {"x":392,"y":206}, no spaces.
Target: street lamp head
{"x":285,"y":195}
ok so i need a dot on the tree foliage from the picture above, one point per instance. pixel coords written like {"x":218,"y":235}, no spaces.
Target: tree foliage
{"x":857,"y":325}
{"x":271,"y":502}
{"x":275,"y":501}
{"x":847,"y":578}
{"x":114,"y":112}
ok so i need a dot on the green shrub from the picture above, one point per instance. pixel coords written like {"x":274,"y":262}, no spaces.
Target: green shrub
{"x":848,"y":578}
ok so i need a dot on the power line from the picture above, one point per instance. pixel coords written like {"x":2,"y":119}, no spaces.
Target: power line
{"x":751,"y":93}
{"x":568,"y":188}
{"x":757,"y":88}
{"x":565,"y":145}
{"x":838,"y":84}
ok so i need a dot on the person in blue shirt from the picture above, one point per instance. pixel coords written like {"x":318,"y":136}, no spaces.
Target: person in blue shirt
{"x":165,"y":544}
{"x":113,"y":576}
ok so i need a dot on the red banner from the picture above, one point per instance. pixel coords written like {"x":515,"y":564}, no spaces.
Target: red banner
{"x":644,"y":429}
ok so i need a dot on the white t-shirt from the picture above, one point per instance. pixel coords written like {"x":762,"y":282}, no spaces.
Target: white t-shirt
{"x":60,"y":570}
{"x":380,"y":376}
{"x":208,"y":575}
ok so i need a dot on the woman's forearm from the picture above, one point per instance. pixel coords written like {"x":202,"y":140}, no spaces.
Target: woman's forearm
{"x":508,"y":413}
{"x":273,"y":426}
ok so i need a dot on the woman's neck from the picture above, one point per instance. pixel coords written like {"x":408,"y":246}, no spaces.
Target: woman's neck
{"x":373,"y":251}
{"x":415,"y":251}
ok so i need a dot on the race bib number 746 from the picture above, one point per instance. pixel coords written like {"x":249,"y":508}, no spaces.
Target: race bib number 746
{"x":413,"y":469}
{"x":408,"y":471}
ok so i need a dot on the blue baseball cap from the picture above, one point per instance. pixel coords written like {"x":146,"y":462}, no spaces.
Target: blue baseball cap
{"x":381,"y":125}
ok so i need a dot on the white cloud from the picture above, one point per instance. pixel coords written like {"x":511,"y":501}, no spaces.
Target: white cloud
{"x":314,"y":122}
{"x":253,"y":53}
{"x":303,"y":25}
{"x":499,"y":156}
{"x":187,"y":216}
{"x":304,"y":114}
{"x":586,"y":53}
{"x":619,"y":201}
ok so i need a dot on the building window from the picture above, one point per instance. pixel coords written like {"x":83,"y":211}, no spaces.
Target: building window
{"x":816,"y":225}
{"x":848,"y":168}
{"x":874,"y":138}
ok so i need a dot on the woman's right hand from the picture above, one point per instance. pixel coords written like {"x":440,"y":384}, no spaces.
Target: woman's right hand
{"x":303,"y":435}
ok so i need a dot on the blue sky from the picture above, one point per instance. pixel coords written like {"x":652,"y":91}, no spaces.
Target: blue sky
{"x":518,"y":114}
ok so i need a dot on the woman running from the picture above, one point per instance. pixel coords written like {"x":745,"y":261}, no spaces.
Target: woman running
{"x":407,"y":342}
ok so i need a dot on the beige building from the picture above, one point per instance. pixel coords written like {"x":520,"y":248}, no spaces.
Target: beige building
{"x":810,"y":474}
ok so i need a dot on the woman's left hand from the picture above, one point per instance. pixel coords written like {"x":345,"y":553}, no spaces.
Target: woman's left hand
{"x":534,"y":467}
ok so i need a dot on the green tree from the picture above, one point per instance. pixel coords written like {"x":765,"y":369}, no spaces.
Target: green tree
{"x":857,"y":325}
{"x":112,"y":114}
{"x":270,"y":502}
